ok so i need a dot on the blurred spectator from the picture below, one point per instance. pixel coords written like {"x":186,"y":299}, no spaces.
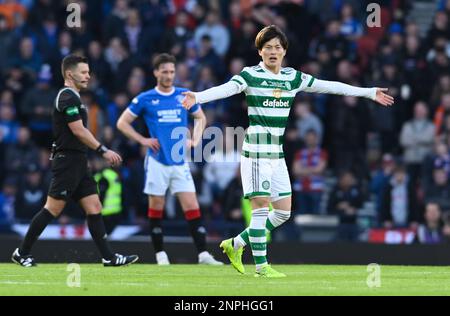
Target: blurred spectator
{"x":133,"y":32}
{"x":9,"y":126}
{"x":439,"y":158}
{"x":136,"y":82}
{"x":96,"y":121}
{"x":307,"y":121}
{"x":37,"y":106}
{"x":109,"y":140}
{"x":294,"y":51}
{"x":417,"y":137}
{"x":439,"y":190}
{"x":222,"y":166}
{"x":118,"y":59}
{"x":116,"y":107}
{"x":138,"y":39}
{"x":431,"y":231}
{"x":385,"y":120}
{"x":351,"y":28}
{"x":13,"y":11}
{"x":332,"y":41}
{"x":440,"y":28}
{"x":232,"y":207}
{"x":232,"y":202}
{"x":6,"y":42}
{"x":236,"y":17}
{"x":21,"y":154}
{"x":399,"y":208}
{"x":349,"y":127}
{"x":308,"y":169}
{"x":184,"y":77}
{"x":110,"y":193}
{"x":7,"y":204}
{"x":31,"y":193}
{"x":154,"y":15}
{"x":175,"y":38}
{"x":209,"y":58}
{"x":218,"y":33}
{"x":414,"y":66}
{"x":115,"y":20}
{"x":28,"y":58}
{"x":243,"y":43}
{"x":206,"y":80}
{"x":47,"y":35}
{"x":381,"y":179}
{"x":98,"y":64}
{"x":446,"y":228}
{"x":345,"y":200}
{"x":41,"y":9}
{"x":442,"y":159}
{"x":441,"y":113}
{"x":440,"y":88}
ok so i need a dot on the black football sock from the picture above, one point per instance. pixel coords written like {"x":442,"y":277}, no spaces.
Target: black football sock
{"x":98,"y":233}
{"x":37,"y":226}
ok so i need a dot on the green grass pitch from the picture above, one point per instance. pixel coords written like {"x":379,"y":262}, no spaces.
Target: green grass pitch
{"x":197,"y":280}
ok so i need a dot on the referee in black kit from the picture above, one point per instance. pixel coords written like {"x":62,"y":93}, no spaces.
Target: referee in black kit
{"x":71,"y":177}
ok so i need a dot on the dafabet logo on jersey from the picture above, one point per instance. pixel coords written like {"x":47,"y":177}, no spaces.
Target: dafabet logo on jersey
{"x":276,"y":103}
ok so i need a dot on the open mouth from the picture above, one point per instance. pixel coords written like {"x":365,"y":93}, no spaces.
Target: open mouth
{"x":273,"y":59}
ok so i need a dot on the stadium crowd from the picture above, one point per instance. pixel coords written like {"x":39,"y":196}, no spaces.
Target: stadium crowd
{"x":398,"y":157}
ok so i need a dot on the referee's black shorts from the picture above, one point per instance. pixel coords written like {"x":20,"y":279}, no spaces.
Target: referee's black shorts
{"x":71,"y":177}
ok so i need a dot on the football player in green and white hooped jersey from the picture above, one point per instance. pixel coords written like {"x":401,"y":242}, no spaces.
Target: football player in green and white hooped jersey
{"x":270,"y":91}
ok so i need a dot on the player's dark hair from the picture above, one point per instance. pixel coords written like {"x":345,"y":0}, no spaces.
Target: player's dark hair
{"x":72,"y":61}
{"x":267,"y":34}
{"x":163,"y":59}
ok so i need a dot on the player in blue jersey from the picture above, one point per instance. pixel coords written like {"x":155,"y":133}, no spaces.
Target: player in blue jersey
{"x":165,"y":167}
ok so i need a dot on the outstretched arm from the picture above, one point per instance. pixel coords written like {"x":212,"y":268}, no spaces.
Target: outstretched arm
{"x":220,"y":92}
{"x":333,"y":87}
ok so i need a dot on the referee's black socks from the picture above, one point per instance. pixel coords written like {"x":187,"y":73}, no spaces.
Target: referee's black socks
{"x":37,"y":226}
{"x":98,"y":233}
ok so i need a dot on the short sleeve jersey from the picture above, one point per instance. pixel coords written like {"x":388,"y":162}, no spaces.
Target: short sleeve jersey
{"x":68,"y":109}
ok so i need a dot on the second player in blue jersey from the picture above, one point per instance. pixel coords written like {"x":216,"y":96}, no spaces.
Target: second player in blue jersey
{"x":165,"y":166}
{"x":163,"y":113}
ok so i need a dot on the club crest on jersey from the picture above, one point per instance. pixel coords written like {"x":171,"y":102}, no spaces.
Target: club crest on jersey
{"x":179,"y":99}
{"x":277,"y":93}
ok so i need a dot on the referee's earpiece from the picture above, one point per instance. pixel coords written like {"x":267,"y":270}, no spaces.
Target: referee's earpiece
{"x":73,"y":78}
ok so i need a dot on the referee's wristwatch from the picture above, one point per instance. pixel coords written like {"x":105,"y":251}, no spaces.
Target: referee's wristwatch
{"x":102,"y":149}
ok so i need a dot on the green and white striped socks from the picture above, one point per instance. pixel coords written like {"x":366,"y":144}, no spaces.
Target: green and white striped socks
{"x":257,"y":236}
{"x":275,"y":219}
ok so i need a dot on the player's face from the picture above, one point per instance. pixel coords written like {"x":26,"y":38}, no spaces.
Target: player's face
{"x":272,"y":54}
{"x":80,"y":76}
{"x":165,"y":75}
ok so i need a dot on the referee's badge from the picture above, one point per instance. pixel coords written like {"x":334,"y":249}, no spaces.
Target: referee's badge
{"x":277,"y":93}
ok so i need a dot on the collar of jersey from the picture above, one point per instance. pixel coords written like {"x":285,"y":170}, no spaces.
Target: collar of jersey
{"x":73,"y":90}
{"x":261,"y":64}
{"x":166,"y":94}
